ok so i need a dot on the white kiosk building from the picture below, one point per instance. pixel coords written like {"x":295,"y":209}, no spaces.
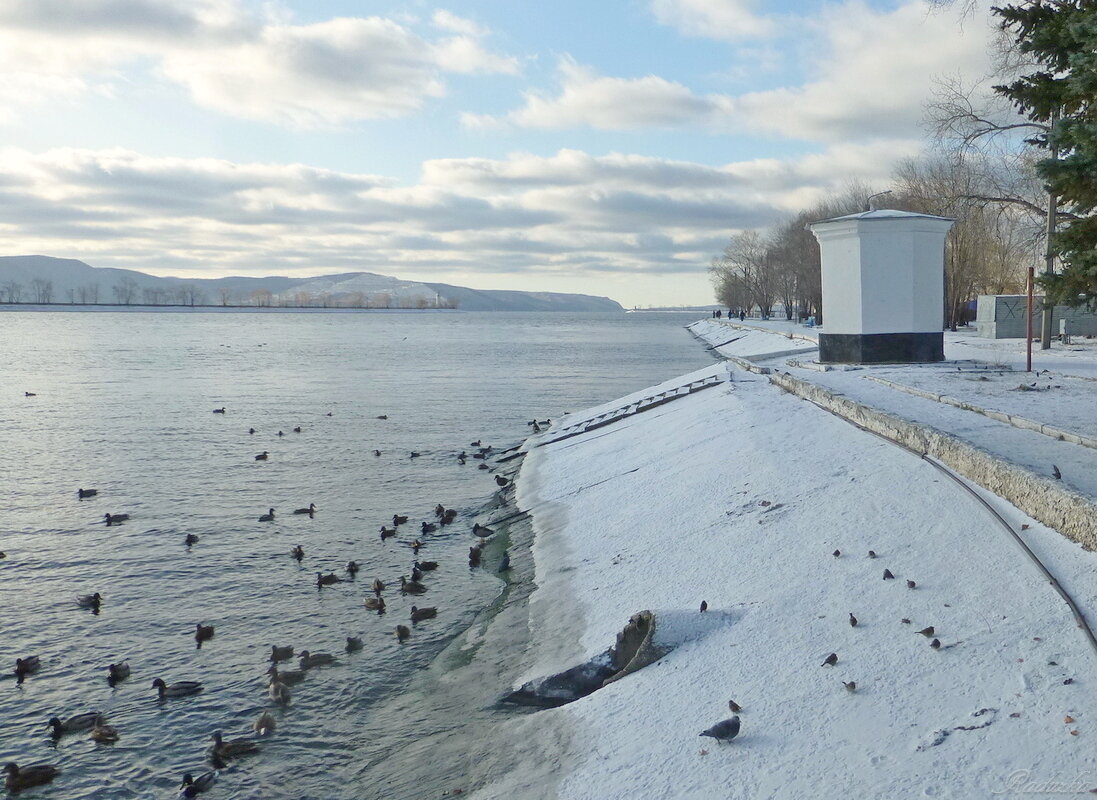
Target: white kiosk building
{"x":883,"y":287}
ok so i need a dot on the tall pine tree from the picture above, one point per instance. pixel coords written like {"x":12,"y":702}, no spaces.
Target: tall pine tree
{"x":1061,"y":37}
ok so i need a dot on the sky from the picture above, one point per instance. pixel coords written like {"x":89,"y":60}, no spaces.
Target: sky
{"x":607,"y":148}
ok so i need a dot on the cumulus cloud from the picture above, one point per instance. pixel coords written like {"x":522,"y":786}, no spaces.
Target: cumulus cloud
{"x":237,"y":62}
{"x":871,"y":72}
{"x":715,"y":19}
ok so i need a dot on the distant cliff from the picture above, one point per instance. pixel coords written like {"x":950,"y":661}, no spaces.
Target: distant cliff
{"x":44,"y":279}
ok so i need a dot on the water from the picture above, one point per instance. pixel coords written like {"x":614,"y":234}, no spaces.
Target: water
{"x":124,"y":405}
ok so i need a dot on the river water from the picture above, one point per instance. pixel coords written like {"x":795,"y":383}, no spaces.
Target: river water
{"x":123,"y":404}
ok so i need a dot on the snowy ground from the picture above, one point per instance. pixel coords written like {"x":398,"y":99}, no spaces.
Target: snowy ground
{"x":738,"y":495}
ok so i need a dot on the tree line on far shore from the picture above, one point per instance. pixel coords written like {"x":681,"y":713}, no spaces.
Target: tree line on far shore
{"x":127,"y":292}
{"x":1012,"y":167}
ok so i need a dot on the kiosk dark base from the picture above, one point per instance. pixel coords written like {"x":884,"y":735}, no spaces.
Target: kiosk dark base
{"x":881,"y":348}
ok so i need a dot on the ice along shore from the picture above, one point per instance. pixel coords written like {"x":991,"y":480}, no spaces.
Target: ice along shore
{"x":766,"y":507}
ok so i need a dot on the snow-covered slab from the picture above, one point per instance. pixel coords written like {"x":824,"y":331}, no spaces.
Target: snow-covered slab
{"x":738,"y":496}
{"x":730,"y":339}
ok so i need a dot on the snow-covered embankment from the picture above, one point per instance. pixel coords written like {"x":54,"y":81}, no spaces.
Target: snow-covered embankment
{"x":738,"y":496}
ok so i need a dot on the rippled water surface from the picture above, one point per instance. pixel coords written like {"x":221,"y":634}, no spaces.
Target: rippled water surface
{"x":123,"y":405}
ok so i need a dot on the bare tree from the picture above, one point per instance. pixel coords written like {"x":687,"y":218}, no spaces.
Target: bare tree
{"x":262,"y":297}
{"x":14,"y":291}
{"x":125,"y":291}
{"x":43,"y":290}
{"x":224,"y":293}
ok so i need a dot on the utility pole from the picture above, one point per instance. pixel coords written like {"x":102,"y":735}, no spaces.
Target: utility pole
{"x":1049,"y":259}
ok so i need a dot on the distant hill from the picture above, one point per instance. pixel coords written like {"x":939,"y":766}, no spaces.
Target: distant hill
{"x":44,"y":279}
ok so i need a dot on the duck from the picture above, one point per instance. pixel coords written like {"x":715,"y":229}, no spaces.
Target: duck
{"x":280,"y":653}
{"x":387,"y":533}
{"x":415,"y":546}
{"x":180,"y":689}
{"x":297,"y":429}
{"x":398,"y":519}
{"x":26,"y":666}
{"x":287,"y":676}
{"x":310,"y":510}
{"x":74,"y":724}
{"x":411,"y":587}
{"x":504,"y":563}
{"x":30,"y":394}
{"x":262,"y":456}
{"x":354,"y":644}
{"x":279,"y":693}
{"x":280,"y":433}
{"x":427,"y":527}
{"x":115,"y":519}
{"x":449,"y":516}
{"x":202,"y":633}
{"x":310,"y":660}
{"x":383,"y":416}
{"x":298,"y":552}
{"x":403,"y":632}
{"x":376,"y":604}
{"x":377,"y":453}
{"x":378,"y":586}
{"x":482,"y":466}
{"x":474,"y":444}
{"x":104,"y":734}
{"x":327,"y":580}
{"x":501,"y":481}
{"x":191,"y":539}
{"x":481,"y":531}
{"x":251,"y":431}
{"x":90,"y":601}
{"x":416,"y":573}
{"x":420,"y":614}
{"x":18,"y":779}
{"x":474,"y":556}
{"x":220,"y":410}
{"x":265,"y":724}
{"x":439,"y":510}
{"x":192,"y":787}
{"x":233,"y":748}
{"x":268,"y":517}
{"x":352,"y":568}
{"x":413,"y":454}
{"x":427,"y":566}
{"x":82,"y":493}
{"x":116,"y":673}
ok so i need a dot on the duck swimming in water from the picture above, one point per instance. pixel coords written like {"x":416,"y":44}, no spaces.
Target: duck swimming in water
{"x":233,"y":748}
{"x":298,"y":552}
{"x":310,"y":660}
{"x":310,"y":510}
{"x":376,"y":604}
{"x":411,"y":587}
{"x":92,"y":601}
{"x":180,"y":689}
{"x":202,"y":633}
{"x":115,"y":519}
{"x":327,"y":580}
{"x":18,"y":779}
{"x":75,"y":724}
{"x":268,"y":517}
{"x":265,"y":725}
{"x":26,"y":666}
{"x":280,"y":653}
{"x":116,"y":673}
{"x":192,"y":787}
{"x":354,"y":644}
{"x":420,"y":614}
{"x":262,"y":456}
{"x":82,"y":493}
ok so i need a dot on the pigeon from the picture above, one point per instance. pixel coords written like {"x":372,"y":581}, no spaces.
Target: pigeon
{"x":836,"y":553}
{"x":1055,"y":471}
{"x":911,"y":584}
{"x":704,"y":606}
{"x":723,"y":731}
{"x":887,"y":575}
{"x":935,"y":644}
{"x":852,"y":620}
{"x":830,"y":660}
{"x":927,"y":632}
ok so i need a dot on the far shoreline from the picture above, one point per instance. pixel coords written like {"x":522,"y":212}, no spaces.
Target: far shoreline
{"x":89,"y":308}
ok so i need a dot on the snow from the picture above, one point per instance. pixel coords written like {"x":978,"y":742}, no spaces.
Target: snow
{"x":738,"y":495}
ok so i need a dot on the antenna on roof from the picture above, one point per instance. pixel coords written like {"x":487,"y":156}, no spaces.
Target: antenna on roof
{"x":868,"y":202}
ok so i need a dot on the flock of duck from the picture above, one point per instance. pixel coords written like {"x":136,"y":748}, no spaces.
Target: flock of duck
{"x":278,"y":679}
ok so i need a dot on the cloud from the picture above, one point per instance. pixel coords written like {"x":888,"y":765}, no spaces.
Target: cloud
{"x":715,"y":19}
{"x":237,"y":62}
{"x":594,"y":221}
{"x":871,"y":73}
